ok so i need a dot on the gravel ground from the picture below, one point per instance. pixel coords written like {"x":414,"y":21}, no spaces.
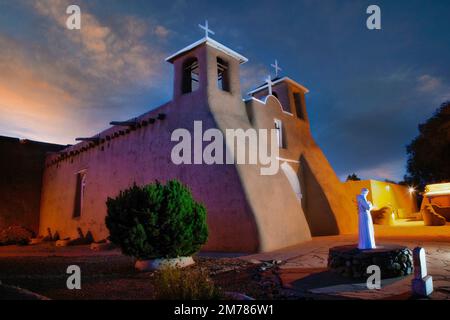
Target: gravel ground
{"x":114,"y":277}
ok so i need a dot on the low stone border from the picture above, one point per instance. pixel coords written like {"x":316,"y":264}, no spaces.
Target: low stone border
{"x":157,"y":264}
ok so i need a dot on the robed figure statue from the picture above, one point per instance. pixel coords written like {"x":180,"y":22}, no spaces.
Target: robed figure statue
{"x":366,"y":234}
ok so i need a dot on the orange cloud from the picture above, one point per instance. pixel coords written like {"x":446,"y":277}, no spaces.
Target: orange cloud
{"x":118,"y":55}
{"x":65,"y":83}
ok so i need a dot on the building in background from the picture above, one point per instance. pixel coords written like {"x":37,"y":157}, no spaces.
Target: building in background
{"x":401,"y":199}
{"x":22,"y":167}
{"x":437,"y":194}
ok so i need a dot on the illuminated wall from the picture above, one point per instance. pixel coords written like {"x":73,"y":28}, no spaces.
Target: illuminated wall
{"x":384,"y":194}
{"x":438,"y":194}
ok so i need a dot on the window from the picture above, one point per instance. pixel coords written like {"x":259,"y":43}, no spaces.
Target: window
{"x":79,"y":193}
{"x":223,"y":77}
{"x":279,"y":129}
{"x":190,"y":76}
{"x":299,"y":106}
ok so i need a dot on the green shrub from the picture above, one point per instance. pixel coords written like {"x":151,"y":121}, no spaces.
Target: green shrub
{"x":157,"y":221}
{"x":185,"y":284}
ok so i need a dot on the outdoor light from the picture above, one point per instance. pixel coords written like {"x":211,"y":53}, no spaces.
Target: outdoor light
{"x":411,"y":190}
{"x":388,"y":188}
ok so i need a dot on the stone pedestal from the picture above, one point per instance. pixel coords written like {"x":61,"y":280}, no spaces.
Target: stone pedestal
{"x":422,"y":284}
{"x":423,"y":287}
{"x":349,"y":261}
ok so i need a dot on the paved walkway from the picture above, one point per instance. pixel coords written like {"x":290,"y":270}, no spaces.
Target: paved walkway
{"x":304,"y":269}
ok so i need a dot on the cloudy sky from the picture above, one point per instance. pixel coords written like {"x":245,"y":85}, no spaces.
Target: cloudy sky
{"x":368,"y":89}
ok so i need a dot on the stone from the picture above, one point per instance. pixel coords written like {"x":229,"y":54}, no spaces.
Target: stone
{"x":420,"y":263}
{"x":254,"y":261}
{"x":353,"y":262}
{"x":62,"y":243}
{"x":422,"y":284}
{"x":423,"y":287}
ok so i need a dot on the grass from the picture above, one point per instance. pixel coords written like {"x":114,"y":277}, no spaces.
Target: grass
{"x":185,"y":284}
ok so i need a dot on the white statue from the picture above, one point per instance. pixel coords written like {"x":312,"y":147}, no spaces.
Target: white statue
{"x":366,"y":234}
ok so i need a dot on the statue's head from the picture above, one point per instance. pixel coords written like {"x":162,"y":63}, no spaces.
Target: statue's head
{"x":364,"y":191}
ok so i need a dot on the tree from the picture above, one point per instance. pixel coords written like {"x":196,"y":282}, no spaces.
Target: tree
{"x":157,"y":221}
{"x":429,"y":153}
{"x":353,"y":177}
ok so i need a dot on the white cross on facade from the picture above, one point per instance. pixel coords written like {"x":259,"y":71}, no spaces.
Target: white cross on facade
{"x":206,"y":28}
{"x":269,"y":85}
{"x":276,"y":67}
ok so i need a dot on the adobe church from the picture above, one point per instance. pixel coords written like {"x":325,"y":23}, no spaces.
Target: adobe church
{"x":246,"y":211}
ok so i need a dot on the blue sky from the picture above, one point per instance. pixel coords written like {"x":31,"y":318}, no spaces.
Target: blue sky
{"x":368,"y":89}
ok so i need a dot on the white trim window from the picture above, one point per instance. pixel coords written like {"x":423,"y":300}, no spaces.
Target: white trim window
{"x":279,"y":128}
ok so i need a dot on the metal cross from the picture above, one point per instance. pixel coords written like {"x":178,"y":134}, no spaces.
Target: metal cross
{"x":269,"y":85}
{"x":206,"y":28}
{"x":276,"y":67}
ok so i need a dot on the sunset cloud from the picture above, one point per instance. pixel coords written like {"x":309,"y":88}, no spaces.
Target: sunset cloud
{"x":55,"y":88}
{"x":114,"y":55}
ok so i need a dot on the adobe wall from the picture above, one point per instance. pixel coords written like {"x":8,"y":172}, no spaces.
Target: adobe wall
{"x":247,"y":211}
{"x":442,"y":201}
{"x":22,"y":166}
{"x":141,"y":156}
{"x":278,"y":213}
{"x":397,"y":196}
{"x":325,"y":204}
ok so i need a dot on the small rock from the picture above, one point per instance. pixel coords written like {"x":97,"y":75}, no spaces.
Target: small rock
{"x":254,"y":261}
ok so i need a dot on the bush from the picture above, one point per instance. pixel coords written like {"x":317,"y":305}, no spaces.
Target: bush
{"x":157,"y":221}
{"x":15,"y":235}
{"x":185,"y":284}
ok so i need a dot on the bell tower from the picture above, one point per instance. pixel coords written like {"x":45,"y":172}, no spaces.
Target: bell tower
{"x":207,"y":70}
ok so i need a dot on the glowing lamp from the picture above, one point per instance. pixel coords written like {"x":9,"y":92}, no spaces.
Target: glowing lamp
{"x":388,"y":188}
{"x":411,"y":190}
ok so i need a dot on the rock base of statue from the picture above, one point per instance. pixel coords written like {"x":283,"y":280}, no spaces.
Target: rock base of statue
{"x":349,"y":261}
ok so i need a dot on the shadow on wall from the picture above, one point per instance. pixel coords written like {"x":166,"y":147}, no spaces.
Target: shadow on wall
{"x":318,"y":212}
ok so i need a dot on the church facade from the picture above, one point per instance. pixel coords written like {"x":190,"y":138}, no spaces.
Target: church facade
{"x":246,"y":211}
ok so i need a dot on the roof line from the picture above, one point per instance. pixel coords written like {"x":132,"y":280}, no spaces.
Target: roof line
{"x":213,"y":43}
{"x":278,"y":81}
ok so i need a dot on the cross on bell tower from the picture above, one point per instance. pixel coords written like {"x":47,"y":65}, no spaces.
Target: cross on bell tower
{"x":206,"y":28}
{"x":276,"y":67}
